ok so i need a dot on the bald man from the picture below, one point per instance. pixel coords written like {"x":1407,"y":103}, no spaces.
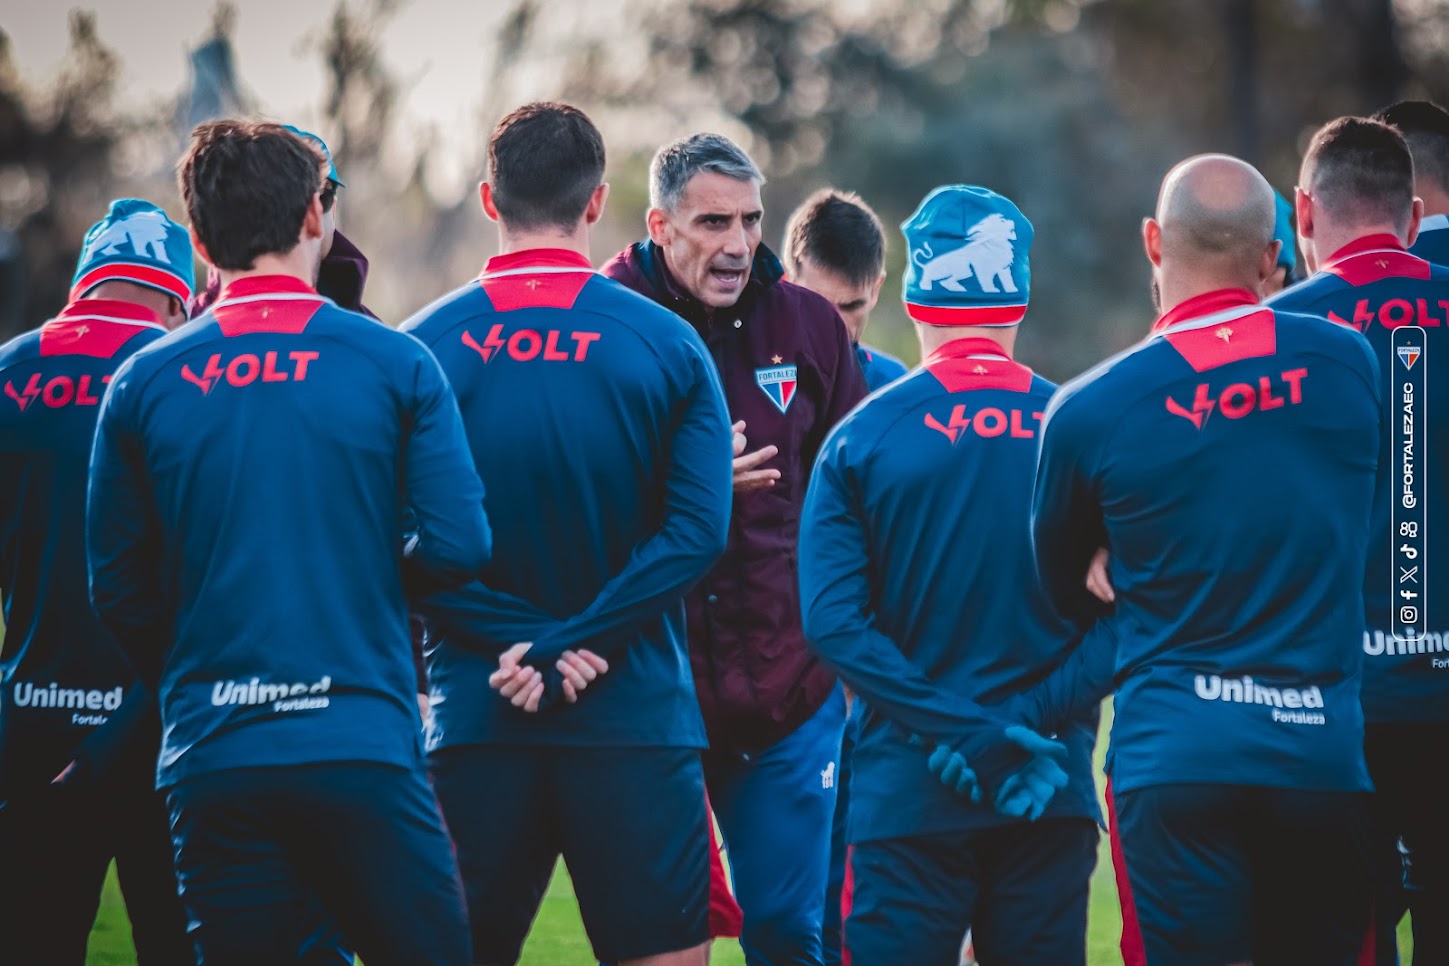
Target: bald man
{"x":1227,"y":464}
{"x":1358,"y":213}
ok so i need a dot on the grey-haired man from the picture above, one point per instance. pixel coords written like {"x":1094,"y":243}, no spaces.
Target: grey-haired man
{"x":774,"y":715}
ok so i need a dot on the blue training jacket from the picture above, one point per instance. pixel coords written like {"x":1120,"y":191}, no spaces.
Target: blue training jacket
{"x":918,"y":584}
{"x":251,"y":476}
{"x":599,"y":427}
{"x":62,"y":675}
{"x":1227,"y":462}
{"x":879,"y":368}
{"x":1432,"y":245}
{"x":1375,"y":287}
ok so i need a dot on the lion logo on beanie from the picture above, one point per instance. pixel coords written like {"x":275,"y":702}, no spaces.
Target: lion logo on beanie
{"x":987,"y":255}
{"x":144,"y":231}
{"x":136,"y":243}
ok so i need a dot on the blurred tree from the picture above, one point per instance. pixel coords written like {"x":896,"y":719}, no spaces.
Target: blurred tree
{"x":1073,"y":107}
{"x":361,"y":92}
{"x":56,"y":172}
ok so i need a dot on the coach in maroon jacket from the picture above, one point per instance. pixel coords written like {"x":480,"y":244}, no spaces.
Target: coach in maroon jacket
{"x":773,"y":713}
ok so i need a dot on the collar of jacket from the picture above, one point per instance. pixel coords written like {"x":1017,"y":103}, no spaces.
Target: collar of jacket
{"x":1360,"y":246}
{"x":1204,"y":305}
{"x":343,"y":273}
{"x":765,"y":271}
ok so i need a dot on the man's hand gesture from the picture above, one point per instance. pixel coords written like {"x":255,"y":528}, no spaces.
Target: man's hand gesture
{"x":747,"y":477}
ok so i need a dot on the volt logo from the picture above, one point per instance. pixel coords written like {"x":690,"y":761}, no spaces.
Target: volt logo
{"x":245,"y":369}
{"x":1395,"y":313}
{"x":988,"y":423}
{"x":525,"y":345}
{"x":1241,"y":398}
{"x":55,"y":392}
{"x":1202,"y":406}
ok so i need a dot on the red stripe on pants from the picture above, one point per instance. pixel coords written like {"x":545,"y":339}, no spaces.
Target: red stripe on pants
{"x":847,"y":897}
{"x":1133,"y":953}
{"x":1368,"y":952}
{"x":725,"y":917}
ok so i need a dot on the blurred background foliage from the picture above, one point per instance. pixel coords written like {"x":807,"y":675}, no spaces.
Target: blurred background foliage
{"x":1073,"y":108}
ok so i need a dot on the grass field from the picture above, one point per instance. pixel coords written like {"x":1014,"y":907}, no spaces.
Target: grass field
{"x":558,"y":935}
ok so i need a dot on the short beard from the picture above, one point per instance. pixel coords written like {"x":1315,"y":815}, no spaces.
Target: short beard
{"x":1156,"y":297}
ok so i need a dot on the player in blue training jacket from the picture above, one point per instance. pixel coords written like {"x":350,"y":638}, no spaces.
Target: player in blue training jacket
{"x":918,"y":587}
{"x":1227,"y":463}
{"x":599,"y":428}
{"x":835,"y":246}
{"x":1357,"y":212}
{"x":64,"y":677}
{"x":1425,"y":127}
{"x":249,"y":482}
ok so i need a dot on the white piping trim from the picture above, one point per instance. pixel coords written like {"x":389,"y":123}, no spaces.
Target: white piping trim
{"x":1217,"y":318}
{"x":275,"y":297}
{"x":109,"y":318}
{"x":540,"y":270}
{"x":1373,"y":251}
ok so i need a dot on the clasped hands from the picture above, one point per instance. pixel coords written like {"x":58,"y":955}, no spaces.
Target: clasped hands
{"x":1020,"y":772}
{"x":1028,"y":783}
{"x":532,"y":689}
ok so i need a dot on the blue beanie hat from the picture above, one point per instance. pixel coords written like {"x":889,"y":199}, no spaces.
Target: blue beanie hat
{"x":136,"y":243}
{"x":967,"y":258}
{"x":1283,"y":232}
{"x":321,"y":145}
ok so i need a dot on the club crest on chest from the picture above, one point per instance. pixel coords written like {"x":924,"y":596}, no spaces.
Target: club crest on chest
{"x":777,"y":382}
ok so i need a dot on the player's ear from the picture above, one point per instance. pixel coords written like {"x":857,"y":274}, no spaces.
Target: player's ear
{"x":176,"y":314}
{"x":1268,"y":264}
{"x":660,"y":231}
{"x":1416,"y":215}
{"x":1152,"y":241}
{"x":312,"y":221}
{"x":595,"y":208}
{"x":1303,"y":212}
{"x":485,"y":194}
{"x":875,"y":289}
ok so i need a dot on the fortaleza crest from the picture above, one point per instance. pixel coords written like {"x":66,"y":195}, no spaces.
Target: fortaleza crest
{"x":778,"y":382}
{"x":1408,"y":355}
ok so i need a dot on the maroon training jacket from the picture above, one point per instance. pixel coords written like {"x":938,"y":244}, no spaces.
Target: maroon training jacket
{"x":757,"y":681}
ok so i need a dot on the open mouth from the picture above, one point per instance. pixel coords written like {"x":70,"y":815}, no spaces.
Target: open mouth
{"x":728,"y":277}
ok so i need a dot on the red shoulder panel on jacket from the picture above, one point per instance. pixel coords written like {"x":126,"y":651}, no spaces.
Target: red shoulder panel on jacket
{"x":1246,"y":337}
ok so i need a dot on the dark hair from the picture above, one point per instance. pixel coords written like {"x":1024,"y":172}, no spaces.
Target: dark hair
{"x":1360,"y":170}
{"x":544,"y":161}
{"x":247,"y":186}
{"x":1425,"y":127}
{"x":837,"y":231}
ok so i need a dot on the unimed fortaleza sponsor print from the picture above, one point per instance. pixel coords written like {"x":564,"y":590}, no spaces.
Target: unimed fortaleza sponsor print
{"x":282,"y":697}
{"x":1290,"y":705}
{"x":76,"y":700}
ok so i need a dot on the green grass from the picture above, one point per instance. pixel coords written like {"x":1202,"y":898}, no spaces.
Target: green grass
{"x":558,"y":934}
